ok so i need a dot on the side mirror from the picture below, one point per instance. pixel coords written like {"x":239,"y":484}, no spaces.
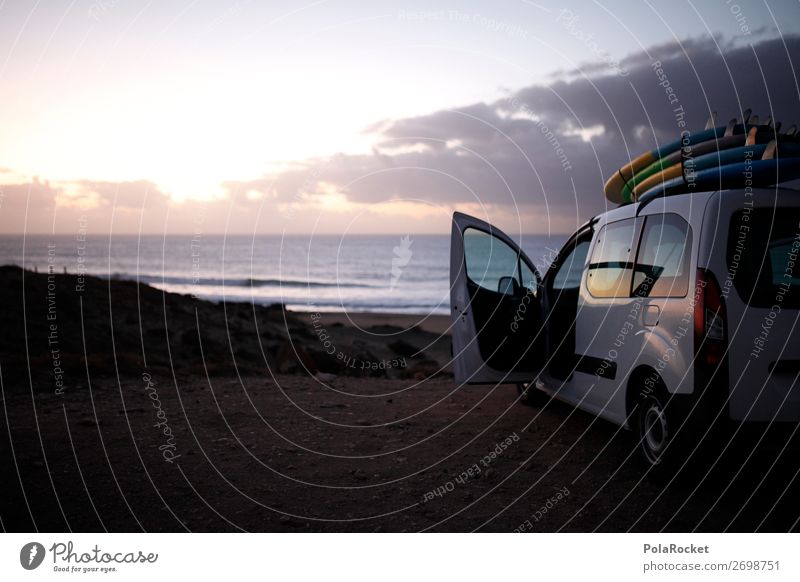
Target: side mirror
{"x":508,"y":286}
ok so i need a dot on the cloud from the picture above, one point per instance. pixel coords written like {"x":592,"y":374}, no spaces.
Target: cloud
{"x":134,"y":195}
{"x":30,"y":202}
{"x":537,"y":158}
{"x":704,"y":77}
{"x":57,"y":206}
{"x":550,"y":147}
{"x":34,"y":194}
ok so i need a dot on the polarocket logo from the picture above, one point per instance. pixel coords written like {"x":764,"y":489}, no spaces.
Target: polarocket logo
{"x":31,"y":555}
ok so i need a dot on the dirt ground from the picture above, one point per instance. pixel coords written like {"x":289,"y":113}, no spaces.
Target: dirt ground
{"x":240,"y":438}
{"x":290,"y":454}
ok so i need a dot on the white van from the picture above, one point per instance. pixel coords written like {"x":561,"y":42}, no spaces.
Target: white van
{"x":662,"y":316}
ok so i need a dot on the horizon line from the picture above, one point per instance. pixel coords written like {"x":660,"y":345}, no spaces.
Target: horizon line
{"x":220,"y":234}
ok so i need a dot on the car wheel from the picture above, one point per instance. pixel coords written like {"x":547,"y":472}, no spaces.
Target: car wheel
{"x":530,"y":395}
{"x":653,"y":429}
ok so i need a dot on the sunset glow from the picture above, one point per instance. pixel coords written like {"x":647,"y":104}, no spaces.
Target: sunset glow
{"x":266,"y":109}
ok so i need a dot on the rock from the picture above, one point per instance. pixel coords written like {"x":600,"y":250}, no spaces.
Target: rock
{"x":422,"y":370}
{"x":300,"y":331}
{"x":325,"y":377}
{"x":274,"y":312}
{"x":386,"y":329}
{"x":293,"y":358}
{"x":403,"y":348}
{"x":360,"y":361}
{"x":325,"y":362}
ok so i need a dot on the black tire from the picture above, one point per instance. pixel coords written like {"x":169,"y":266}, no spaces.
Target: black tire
{"x":654,"y":429}
{"x":530,"y":395}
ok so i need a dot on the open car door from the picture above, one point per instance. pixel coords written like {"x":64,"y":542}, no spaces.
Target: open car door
{"x":495,"y":306}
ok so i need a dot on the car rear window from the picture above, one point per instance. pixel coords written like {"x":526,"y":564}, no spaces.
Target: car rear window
{"x":763,"y":248}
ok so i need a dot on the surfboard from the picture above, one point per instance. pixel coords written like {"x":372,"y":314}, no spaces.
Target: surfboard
{"x":735,"y":136}
{"x":756,"y":173}
{"x":683,"y":161}
{"x":711,"y":145}
{"x":755,"y":144}
{"x":692,"y":158}
{"x":616,"y":183}
{"x":718,"y":159}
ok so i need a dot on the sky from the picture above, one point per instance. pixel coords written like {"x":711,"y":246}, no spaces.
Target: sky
{"x":171,"y":117}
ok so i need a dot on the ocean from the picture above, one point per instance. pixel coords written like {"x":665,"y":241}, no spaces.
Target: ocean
{"x":357,"y":273}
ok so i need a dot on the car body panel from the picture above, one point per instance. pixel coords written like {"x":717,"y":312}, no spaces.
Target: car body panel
{"x":762,"y":338}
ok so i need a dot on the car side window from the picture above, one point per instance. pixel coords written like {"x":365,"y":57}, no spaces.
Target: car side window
{"x":611,"y":266}
{"x":662,"y":264}
{"x":570,"y":271}
{"x":529,"y":279}
{"x":494,"y":265}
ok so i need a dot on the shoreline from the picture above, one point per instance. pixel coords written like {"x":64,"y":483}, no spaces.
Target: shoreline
{"x":438,"y":324}
{"x":433,"y":322}
{"x":124,"y":327}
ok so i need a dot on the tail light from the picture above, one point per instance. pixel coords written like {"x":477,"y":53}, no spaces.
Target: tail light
{"x":709,"y":320}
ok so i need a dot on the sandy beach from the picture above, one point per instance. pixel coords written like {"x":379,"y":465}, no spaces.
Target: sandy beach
{"x":438,"y":324}
{"x":129,"y":409}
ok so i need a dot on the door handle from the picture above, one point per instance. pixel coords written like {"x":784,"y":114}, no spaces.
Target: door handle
{"x":651,"y":315}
